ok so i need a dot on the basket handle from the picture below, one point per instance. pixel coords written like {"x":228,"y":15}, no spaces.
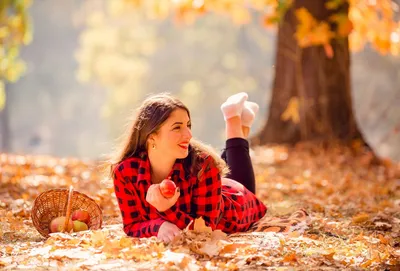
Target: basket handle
{"x":68,"y":212}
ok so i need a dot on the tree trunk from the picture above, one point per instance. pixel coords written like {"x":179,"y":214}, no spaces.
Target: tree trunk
{"x":319,"y":84}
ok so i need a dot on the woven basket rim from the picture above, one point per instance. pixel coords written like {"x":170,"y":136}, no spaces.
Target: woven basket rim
{"x":76,"y":193}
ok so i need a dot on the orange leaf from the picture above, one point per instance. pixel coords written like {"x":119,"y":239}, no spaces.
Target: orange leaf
{"x":290,"y":258}
{"x":309,"y":32}
{"x":360,"y":218}
{"x":328,"y":50}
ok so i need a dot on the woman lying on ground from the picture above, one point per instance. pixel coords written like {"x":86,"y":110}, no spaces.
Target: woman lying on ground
{"x":160,"y":146}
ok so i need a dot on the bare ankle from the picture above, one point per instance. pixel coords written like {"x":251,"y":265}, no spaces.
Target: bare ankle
{"x":234,"y":127}
{"x":246,"y":131}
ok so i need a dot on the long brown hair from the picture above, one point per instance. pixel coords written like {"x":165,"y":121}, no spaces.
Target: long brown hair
{"x":153,"y":112}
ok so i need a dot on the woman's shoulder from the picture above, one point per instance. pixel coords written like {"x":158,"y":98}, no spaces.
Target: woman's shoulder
{"x":207,"y":163}
{"x":128,"y":166}
{"x":207,"y":159}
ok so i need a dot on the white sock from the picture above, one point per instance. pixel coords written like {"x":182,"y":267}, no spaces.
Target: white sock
{"x":234,"y":105}
{"x":249,"y":112}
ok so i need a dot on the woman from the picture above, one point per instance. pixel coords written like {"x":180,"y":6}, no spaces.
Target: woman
{"x":160,"y":146}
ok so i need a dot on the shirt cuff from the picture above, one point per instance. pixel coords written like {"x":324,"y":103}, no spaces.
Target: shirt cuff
{"x":176,"y":216}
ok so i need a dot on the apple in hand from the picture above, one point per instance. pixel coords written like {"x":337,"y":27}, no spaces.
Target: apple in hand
{"x":167,"y":188}
{"x":80,"y":226}
{"x":81,"y":215}
{"x":57,"y":224}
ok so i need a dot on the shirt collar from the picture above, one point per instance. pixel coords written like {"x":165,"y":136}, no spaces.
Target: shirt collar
{"x":144,"y":171}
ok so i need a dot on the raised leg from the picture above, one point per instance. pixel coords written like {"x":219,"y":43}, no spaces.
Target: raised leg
{"x":236,"y":152}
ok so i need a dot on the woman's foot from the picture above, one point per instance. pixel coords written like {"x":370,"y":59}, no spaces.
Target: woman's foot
{"x":248,"y":115}
{"x":234,"y":105}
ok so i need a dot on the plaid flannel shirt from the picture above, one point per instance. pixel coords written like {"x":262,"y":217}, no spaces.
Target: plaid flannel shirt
{"x":224,"y":204}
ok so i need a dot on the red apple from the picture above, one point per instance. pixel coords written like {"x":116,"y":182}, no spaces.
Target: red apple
{"x":57,"y":224}
{"x":167,"y":188}
{"x":81,"y":215}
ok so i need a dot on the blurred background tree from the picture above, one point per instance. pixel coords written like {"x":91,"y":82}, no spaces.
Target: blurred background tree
{"x":311,"y":94}
{"x":127,"y":52}
{"x":15,"y":31}
{"x":134,"y":55}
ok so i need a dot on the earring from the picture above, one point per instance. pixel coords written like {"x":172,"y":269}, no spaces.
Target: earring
{"x":154,"y":146}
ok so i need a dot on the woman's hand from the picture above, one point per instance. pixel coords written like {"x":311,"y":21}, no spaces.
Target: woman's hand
{"x":158,"y":201}
{"x":167,"y":232}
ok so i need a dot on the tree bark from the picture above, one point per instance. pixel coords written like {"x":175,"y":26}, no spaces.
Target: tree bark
{"x":320,"y":84}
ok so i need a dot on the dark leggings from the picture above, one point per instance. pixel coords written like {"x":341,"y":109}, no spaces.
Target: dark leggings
{"x":236,"y":155}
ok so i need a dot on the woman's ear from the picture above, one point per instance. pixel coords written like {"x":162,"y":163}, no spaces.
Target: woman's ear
{"x":151,"y":141}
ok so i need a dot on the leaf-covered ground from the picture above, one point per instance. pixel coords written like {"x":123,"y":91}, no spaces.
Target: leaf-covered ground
{"x":353,"y":200}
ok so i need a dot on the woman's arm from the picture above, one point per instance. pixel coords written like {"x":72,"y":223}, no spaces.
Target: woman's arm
{"x":206,"y":198}
{"x":129,"y":204}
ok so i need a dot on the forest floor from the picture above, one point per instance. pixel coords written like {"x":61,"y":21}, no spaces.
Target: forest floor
{"x":353,"y":201}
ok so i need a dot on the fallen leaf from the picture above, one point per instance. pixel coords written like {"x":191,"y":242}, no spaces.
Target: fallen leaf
{"x":290,"y":257}
{"x":183,"y":261}
{"x":232,"y":247}
{"x":200,"y":226}
{"x":360,"y":218}
{"x":98,"y":237}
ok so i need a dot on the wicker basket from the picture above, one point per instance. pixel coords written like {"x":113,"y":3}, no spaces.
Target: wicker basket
{"x":54,"y":203}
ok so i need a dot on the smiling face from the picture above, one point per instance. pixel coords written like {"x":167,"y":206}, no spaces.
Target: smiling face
{"x":174,"y":135}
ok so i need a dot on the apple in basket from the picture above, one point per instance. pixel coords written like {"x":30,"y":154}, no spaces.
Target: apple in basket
{"x":167,"y":188}
{"x":81,"y":215}
{"x":80,"y":226}
{"x":57,"y":224}
{"x":80,"y":219}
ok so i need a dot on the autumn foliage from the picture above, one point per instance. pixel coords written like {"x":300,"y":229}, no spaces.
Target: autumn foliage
{"x":353,"y":202}
{"x":373,"y":22}
{"x":15,"y":31}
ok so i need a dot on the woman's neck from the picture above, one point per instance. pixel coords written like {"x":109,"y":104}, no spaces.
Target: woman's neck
{"x":160,"y":166}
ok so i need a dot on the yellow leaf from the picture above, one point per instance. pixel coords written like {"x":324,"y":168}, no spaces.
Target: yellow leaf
{"x":304,"y":27}
{"x":360,"y":218}
{"x":200,"y":225}
{"x":232,"y":247}
{"x":292,"y":111}
{"x":305,"y":18}
{"x":311,"y":32}
{"x":98,"y":237}
{"x":321,"y":34}
{"x":125,"y":242}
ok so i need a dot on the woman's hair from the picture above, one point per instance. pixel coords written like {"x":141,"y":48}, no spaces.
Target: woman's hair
{"x":153,"y":112}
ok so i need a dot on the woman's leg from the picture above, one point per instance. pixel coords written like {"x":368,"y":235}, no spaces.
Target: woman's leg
{"x":236,"y":153}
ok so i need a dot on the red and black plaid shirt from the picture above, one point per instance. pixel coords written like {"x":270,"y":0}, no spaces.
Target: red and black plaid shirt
{"x":226,"y":205}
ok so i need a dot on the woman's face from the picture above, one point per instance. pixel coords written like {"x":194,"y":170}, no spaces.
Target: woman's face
{"x":174,"y":135}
